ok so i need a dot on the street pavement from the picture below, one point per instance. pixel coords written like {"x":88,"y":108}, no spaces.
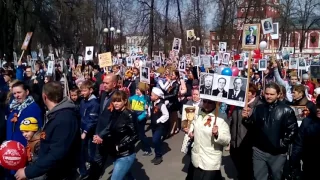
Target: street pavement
{"x":174,"y":166}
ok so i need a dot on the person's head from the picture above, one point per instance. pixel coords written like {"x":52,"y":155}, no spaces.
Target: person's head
{"x":28,"y":71}
{"x":20,"y":91}
{"x":208,"y":105}
{"x":115,"y":69}
{"x":47,"y":79}
{"x":190,"y":113}
{"x":142,"y":88}
{"x":52,"y":94}
{"x":298,"y":92}
{"x":293,"y":78}
{"x":221,"y":83}
{"x":208,"y":81}
{"x":136,"y":71}
{"x":175,"y":75}
{"x":29,"y":126}
{"x":251,"y":29}
{"x":38,"y":65}
{"x":252,"y":92}
{"x":11,"y":84}
{"x":74,"y":94}
{"x":128,"y":74}
{"x":110,"y":82}
{"x":305,"y":78}
{"x":8,"y":75}
{"x":96,"y":69}
{"x":256,"y":75}
{"x":272,"y":92}
{"x":237,"y":84}
{"x":195,"y":95}
{"x":156,"y":94}
{"x":283,"y":92}
{"x":87,"y":76}
{"x":119,"y":100}
{"x":86,"y":89}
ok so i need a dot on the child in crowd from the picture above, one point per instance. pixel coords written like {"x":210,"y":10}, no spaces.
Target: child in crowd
{"x":89,"y":111}
{"x":161,"y":78}
{"x":30,"y":130}
{"x":139,"y":104}
{"x":159,"y":122}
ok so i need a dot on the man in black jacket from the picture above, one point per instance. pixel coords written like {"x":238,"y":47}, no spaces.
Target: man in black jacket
{"x":109,"y":84}
{"x":60,"y":139}
{"x":273,"y":126}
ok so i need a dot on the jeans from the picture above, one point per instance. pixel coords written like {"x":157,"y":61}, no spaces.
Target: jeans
{"x":142,"y":136}
{"x":87,"y":154}
{"x":157,"y":141}
{"x":265,"y":164}
{"x":122,"y":168}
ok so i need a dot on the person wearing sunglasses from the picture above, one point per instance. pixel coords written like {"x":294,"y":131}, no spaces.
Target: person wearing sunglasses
{"x":211,"y":134}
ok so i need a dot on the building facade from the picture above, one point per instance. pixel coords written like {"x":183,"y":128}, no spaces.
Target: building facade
{"x":251,"y":12}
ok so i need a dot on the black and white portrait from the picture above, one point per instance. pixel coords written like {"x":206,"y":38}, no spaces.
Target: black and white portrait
{"x":226,"y":58}
{"x":145,"y":75}
{"x":275,"y":33}
{"x":221,"y":86}
{"x":129,"y":61}
{"x":196,"y":61}
{"x":262,"y":64}
{"x":190,"y":35}
{"x":237,"y":89}
{"x":182,"y":65}
{"x":216,"y":59}
{"x":222,"y":46}
{"x":157,"y":61}
{"x":267,"y":26}
{"x":176,"y":44}
{"x":240,"y":65}
{"x":206,"y":83}
{"x":302,"y":63}
{"x":293,"y":63}
{"x":193,"y":50}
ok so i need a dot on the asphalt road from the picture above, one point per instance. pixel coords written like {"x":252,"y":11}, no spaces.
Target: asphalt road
{"x":174,"y":166}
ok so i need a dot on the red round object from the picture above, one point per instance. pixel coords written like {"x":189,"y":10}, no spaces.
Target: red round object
{"x":13,"y":155}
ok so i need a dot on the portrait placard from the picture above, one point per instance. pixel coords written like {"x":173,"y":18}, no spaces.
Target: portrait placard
{"x":275,"y":33}
{"x":190,"y":35}
{"x":315,"y":71}
{"x":262,"y":64}
{"x":176,"y":45}
{"x":293,"y":63}
{"x":267,"y":26}
{"x":89,"y":53}
{"x":222,"y":46}
{"x":182,"y":65}
{"x":250,"y":36}
{"x":300,"y":112}
{"x":230,"y":90}
{"x":145,"y":75}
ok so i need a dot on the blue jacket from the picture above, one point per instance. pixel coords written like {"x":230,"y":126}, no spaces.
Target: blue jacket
{"x":19,"y":73}
{"x":138,"y":105}
{"x":13,"y":129}
{"x":89,"y":111}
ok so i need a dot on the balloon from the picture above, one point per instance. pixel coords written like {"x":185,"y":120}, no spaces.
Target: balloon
{"x":235,"y":71}
{"x":13,"y":155}
{"x":226,"y":71}
{"x":220,"y":69}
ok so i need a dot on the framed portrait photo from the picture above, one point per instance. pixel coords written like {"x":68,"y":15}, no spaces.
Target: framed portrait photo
{"x":267,"y":26}
{"x":240,"y":65}
{"x":190,"y":35}
{"x":293,"y":63}
{"x":262,"y":64}
{"x":176,"y":44}
{"x":145,"y":74}
{"x":275,"y":33}
{"x":251,"y":36}
{"x":182,"y":66}
{"x":222,"y":46}
{"x":301,"y":112}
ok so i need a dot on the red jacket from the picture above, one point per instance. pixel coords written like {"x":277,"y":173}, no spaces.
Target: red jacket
{"x":311,"y":87}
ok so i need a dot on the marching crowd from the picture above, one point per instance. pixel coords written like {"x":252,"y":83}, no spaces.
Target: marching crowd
{"x":106,"y":113}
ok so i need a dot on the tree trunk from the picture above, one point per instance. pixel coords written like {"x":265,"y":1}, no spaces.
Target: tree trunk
{"x":183,"y":39}
{"x":151,"y":33}
{"x":166,"y":30}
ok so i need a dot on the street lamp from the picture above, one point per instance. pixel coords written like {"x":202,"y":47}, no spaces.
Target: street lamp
{"x":112,"y":29}
{"x":198,"y":38}
{"x":118,"y":31}
{"x":105,"y":30}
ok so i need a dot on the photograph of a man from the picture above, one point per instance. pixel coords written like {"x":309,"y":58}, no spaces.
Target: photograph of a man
{"x":190,"y":113}
{"x":237,"y":93}
{"x":220,"y":91}
{"x":206,"y":88}
{"x":190,"y":35}
{"x":176,"y":44}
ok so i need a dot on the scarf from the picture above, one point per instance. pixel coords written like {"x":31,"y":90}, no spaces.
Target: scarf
{"x":15,"y":105}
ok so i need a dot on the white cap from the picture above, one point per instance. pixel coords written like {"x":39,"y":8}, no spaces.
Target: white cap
{"x":157,"y":91}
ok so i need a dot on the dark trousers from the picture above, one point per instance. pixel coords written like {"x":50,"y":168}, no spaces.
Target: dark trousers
{"x":97,"y":166}
{"x":241,"y":157}
{"x":265,"y":164}
{"x":87,"y":154}
{"x":157,"y":141}
{"x":142,"y":136}
{"x":199,"y":174}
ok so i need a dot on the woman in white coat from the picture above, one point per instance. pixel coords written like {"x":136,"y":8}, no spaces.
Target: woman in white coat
{"x":210,"y":135}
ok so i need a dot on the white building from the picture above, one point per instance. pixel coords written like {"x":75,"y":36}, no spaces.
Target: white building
{"x":136,"y":44}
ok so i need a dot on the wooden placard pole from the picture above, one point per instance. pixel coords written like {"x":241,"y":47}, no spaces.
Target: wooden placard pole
{"x":21,"y":56}
{"x":248,"y":80}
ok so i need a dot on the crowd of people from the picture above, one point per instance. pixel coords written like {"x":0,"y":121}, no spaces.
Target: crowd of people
{"x":106,"y":113}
